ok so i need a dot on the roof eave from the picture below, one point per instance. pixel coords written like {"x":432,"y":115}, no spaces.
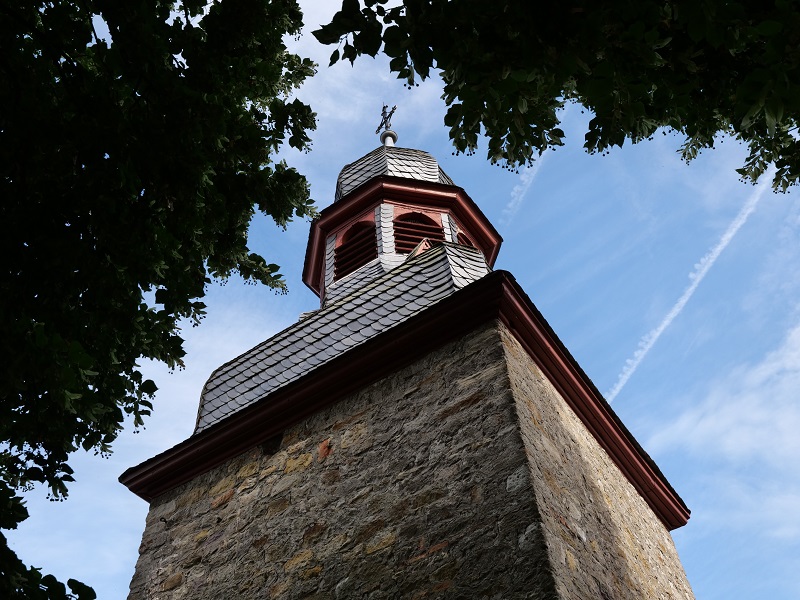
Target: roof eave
{"x":495,"y":296}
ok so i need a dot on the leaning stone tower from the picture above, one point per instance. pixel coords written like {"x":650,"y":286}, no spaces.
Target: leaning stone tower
{"x":424,"y":434}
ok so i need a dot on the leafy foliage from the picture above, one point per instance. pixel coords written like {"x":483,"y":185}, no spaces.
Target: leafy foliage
{"x":700,"y":67}
{"x":136,"y":143}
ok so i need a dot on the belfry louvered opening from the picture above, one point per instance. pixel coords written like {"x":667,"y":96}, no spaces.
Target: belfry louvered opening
{"x":464,"y":240}
{"x":410,"y":229}
{"x":359,"y":246}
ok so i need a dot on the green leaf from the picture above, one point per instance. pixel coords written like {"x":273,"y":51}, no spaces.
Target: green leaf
{"x":148,"y":387}
{"x":111,"y":250}
{"x":751,"y":113}
{"x":771,"y":121}
{"x":81,"y":590}
{"x":350,"y":8}
{"x":661,"y":43}
{"x":327,"y":34}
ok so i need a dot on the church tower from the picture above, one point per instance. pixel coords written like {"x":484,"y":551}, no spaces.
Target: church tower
{"x":424,"y":434}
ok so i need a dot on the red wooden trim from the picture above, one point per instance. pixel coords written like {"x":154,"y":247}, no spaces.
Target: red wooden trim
{"x":522,"y":318}
{"x":401,"y":211}
{"x":495,"y":296}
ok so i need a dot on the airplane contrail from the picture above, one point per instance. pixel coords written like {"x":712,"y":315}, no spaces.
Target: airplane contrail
{"x":696,"y":276}
{"x":521,"y":189}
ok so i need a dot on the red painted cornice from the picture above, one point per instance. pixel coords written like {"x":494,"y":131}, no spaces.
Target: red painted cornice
{"x":529,"y":327}
{"x":397,"y":190}
{"x":496,"y":296}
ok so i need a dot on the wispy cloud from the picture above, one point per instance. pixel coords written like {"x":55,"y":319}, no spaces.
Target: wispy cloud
{"x":697,"y":275}
{"x":520,"y":190}
{"x":750,"y":415}
{"x":742,"y":432}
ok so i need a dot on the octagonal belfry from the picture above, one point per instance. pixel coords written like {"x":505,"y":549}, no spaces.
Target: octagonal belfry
{"x":387,"y":203}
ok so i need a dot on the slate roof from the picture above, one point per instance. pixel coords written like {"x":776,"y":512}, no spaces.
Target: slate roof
{"x":385,"y":302}
{"x":390,"y":160}
{"x":360,"y":277}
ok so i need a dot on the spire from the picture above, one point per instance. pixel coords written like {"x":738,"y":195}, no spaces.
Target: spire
{"x":388,"y":137}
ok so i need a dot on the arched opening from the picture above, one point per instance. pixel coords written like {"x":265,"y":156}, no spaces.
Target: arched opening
{"x":411,"y":228}
{"x":359,"y":246}
{"x":464,"y":240}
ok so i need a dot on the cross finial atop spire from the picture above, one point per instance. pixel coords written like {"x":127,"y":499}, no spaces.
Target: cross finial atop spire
{"x":388,"y":137}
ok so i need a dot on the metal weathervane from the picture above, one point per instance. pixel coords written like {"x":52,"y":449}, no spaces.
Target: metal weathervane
{"x":386,"y":118}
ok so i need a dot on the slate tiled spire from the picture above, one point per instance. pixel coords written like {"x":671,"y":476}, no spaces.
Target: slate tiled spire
{"x":389,"y":303}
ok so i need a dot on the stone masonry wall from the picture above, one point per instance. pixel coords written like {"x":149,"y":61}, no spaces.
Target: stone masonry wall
{"x":464,"y":475}
{"x":604,"y":541}
{"x":415,"y":487}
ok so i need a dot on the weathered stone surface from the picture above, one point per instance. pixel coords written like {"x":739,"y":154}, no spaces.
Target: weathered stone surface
{"x":172,"y":582}
{"x":461,"y":476}
{"x":298,"y":463}
{"x":298,"y":560}
{"x":222,"y":499}
{"x":603,"y":539}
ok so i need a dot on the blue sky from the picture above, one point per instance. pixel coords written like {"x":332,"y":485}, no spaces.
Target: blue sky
{"x":610,"y":250}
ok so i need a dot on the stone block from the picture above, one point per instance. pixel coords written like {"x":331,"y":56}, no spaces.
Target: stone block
{"x":298,"y":463}
{"x":324,"y":450}
{"x":222,"y":499}
{"x":298,"y":560}
{"x":173,"y":581}
{"x":221,"y":486}
{"x":380,"y":542}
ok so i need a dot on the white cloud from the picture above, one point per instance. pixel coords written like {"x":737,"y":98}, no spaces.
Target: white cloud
{"x":743,"y":437}
{"x":773,"y":288}
{"x":750,"y":416}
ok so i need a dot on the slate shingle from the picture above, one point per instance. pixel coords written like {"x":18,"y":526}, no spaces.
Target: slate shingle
{"x":382,"y":303}
{"x":390,"y":160}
